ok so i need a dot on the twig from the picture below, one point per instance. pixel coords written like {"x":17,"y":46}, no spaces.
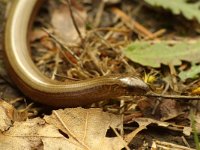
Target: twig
{"x":167,"y":145}
{"x":156,"y":34}
{"x":119,"y":136}
{"x":177,"y":97}
{"x":173,"y":74}
{"x":68,"y":2}
{"x":185,"y":141}
{"x":140,"y":28}
{"x":63,"y":46}
{"x":55,"y":69}
{"x":158,"y":102}
{"x":99,"y":14}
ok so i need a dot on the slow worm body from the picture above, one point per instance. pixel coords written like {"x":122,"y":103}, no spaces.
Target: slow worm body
{"x":38,"y":87}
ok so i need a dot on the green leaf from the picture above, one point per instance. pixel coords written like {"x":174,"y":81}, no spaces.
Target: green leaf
{"x":153,"y":55}
{"x":189,"y":10}
{"x":192,"y":73}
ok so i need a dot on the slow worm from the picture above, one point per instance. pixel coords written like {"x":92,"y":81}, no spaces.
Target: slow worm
{"x":40,"y":88}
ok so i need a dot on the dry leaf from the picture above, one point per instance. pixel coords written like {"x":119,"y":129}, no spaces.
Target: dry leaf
{"x":63,"y":25}
{"x":169,"y":109}
{"x":144,"y":122}
{"x":8,"y":114}
{"x":37,"y":34}
{"x":33,"y":134}
{"x":145,"y":106}
{"x":88,"y":127}
{"x":74,"y":129}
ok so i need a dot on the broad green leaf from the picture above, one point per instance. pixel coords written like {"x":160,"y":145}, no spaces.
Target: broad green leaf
{"x":189,"y":10}
{"x":192,"y":73}
{"x":153,"y":55}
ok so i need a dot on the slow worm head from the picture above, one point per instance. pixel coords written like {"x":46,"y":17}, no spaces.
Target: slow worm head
{"x":39,"y":88}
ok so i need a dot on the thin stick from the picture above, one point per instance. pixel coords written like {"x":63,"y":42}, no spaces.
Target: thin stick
{"x":140,"y":28}
{"x":178,"y":97}
{"x":74,"y":21}
{"x":99,"y":14}
{"x":119,"y":136}
{"x":63,"y":46}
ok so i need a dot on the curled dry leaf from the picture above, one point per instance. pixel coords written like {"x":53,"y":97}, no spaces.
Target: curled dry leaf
{"x":8,"y":114}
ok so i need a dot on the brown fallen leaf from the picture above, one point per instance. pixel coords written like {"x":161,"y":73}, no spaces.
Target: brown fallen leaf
{"x":88,"y":127}
{"x":146,"y":107}
{"x":63,"y":24}
{"x":37,"y":34}
{"x":144,"y":122}
{"x":74,"y":129}
{"x":33,"y":134}
{"x":169,"y":109}
{"x":8,"y":114}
